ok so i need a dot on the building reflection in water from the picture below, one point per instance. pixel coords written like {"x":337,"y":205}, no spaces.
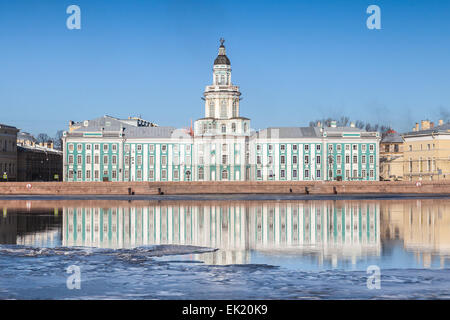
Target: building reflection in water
{"x":423,"y":225}
{"x":330,"y":230}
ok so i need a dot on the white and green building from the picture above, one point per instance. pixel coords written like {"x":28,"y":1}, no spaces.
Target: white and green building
{"x":221,"y":146}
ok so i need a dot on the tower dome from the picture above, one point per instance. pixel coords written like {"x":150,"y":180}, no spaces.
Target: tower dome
{"x":222,"y":57}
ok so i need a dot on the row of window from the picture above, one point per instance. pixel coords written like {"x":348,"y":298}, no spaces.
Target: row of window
{"x":306,"y":147}
{"x":318,"y":159}
{"x":306,"y":174}
{"x":139,"y":147}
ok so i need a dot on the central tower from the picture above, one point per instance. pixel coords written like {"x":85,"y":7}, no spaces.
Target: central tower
{"x":221,"y":113}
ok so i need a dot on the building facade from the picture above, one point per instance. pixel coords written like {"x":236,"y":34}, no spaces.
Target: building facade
{"x":221,"y":146}
{"x":427,"y":152}
{"x":8,"y":152}
{"x":391,"y":156}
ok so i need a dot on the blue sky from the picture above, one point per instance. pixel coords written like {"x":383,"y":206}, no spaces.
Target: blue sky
{"x":295,"y":61}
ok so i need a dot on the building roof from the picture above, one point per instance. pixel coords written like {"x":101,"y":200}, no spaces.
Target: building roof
{"x":445,"y":128}
{"x":38,"y":148}
{"x":289,"y":132}
{"x":392,"y":137}
{"x":131,"y":128}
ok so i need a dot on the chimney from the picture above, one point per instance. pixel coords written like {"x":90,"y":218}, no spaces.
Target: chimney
{"x":425,"y":124}
{"x":441,"y":122}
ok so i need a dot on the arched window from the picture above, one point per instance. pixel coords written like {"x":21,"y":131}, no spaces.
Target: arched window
{"x":224,"y":174}
{"x":211,"y":109}
{"x":223,"y":109}
{"x":224,"y":128}
{"x":233,"y":127}
{"x":235,"y":113}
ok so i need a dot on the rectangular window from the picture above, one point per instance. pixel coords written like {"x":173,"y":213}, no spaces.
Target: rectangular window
{"x":126,"y":174}
{"x":371,"y":159}
{"x":371,"y":174}
{"x":224,"y":159}
{"x":70,"y":174}
{"x":258,"y":173}
{"x":96,"y":147}
{"x":114,"y":147}
{"x":294,"y":173}
{"x":114,"y":174}
{"x":105,"y":159}
{"x":151,"y":147}
{"x":258,"y":159}
{"x":127,"y":160}
{"x":175,"y":174}
{"x":294,"y":147}
{"x":105,"y":173}
{"x":371,"y":147}
{"x":88,"y":174}
{"x":114,"y":159}
{"x":79,"y":147}
{"x":306,"y":147}
{"x":338,"y":172}
{"x":355,"y":147}
{"x":88,"y":159}
{"x":79,"y":160}
{"x":70,"y":147}
{"x":163,"y":174}
{"x":96,"y":159}
{"x":88,"y":147}
{"x":317,"y":173}
{"x":127,"y":148}
{"x":355,"y":173}
{"x":282,"y":160}
{"x":338,"y":159}
{"x":96,"y":174}
{"x":363,"y":159}
{"x":163,"y":160}
{"x":105,"y":147}
{"x":152,"y":161}
{"x":347,"y":159}
{"x":139,"y":148}
{"x":139,"y":160}
{"x":306,"y":173}
{"x":306,"y":160}
{"x":318,"y":146}
{"x":139,"y":174}
{"x":283,"y":174}
{"x":318,"y":159}
{"x":150,"y":174}
{"x":355,"y":159}
{"x":294,"y":159}
{"x":347,"y":147}
{"x":330,"y":148}
{"x":283,"y":147}
{"x":163,"y":148}
{"x":79,"y":174}
{"x":363,"y":173}
{"x":338,"y":148}
{"x":70,"y":159}
{"x":363,"y":148}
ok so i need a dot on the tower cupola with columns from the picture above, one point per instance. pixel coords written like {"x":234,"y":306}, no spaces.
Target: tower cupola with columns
{"x":222,"y":102}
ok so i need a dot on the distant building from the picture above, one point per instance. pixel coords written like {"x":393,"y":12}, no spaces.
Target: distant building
{"x":39,"y":162}
{"x":8,"y":152}
{"x":391,"y":156}
{"x":220,"y":147}
{"x":427,"y":152}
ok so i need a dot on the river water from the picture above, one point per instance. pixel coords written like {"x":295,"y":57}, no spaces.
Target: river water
{"x":225,"y":249}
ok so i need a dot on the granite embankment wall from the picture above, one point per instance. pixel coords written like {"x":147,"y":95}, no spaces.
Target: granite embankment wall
{"x":210,"y":187}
